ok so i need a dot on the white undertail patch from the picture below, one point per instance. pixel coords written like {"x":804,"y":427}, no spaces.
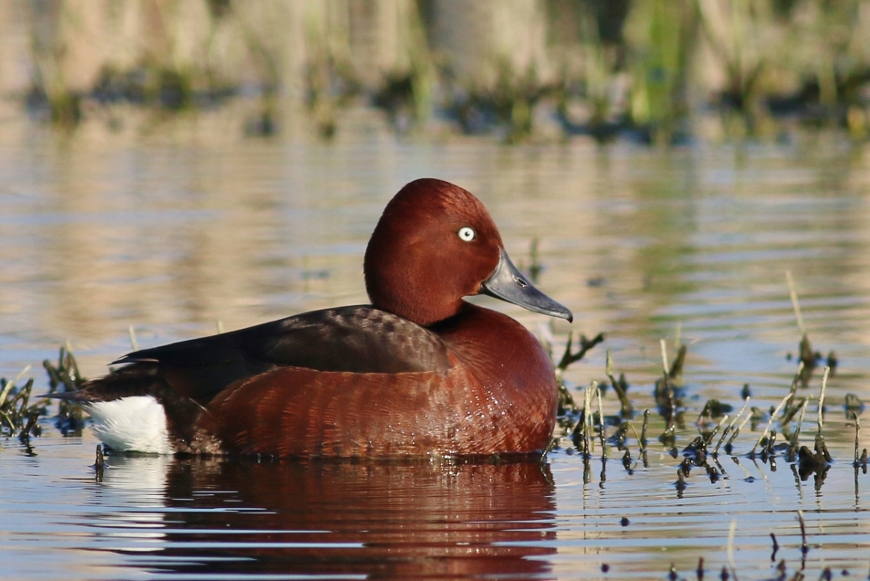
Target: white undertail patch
{"x":131,"y":424}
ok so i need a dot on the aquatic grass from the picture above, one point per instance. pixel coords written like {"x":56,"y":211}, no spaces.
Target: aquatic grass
{"x":407,"y":93}
{"x":820,"y":418}
{"x":599,"y":85}
{"x":732,"y":529}
{"x":733,"y":36}
{"x":642,"y":70}
{"x":808,"y":359}
{"x":99,"y":464}
{"x":620,"y":387}
{"x":805,"y":461}
{"x":569,"y":357}
{"x":730,"y":431}
{"x":18,"y":416}
{"x":770,"y":421}
{"x":667,"y":31}
{"x":64,"y":376}
{"x":643,"y":441}
{"x":319,"y":99}
{"x":579,"y":423}
{"x":793,"y":447}
{"x":666,"y":397}
{"x":859,"y":461}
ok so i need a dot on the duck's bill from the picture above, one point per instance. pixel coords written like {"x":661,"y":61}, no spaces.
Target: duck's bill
{"x":508,"y":284}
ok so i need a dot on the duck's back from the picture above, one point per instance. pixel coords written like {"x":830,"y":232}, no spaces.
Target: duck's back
{"x":356,"y":339}
{"x":181,"y":379}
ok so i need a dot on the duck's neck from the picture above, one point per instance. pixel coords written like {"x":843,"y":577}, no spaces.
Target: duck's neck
{"x":427,"y":315}
{"x":486,"y":339}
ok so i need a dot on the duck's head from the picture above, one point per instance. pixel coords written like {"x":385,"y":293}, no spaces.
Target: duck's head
{"x":435,"y":244}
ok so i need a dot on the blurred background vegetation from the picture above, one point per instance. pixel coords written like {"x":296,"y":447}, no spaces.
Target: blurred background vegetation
{"x":654,"y":71}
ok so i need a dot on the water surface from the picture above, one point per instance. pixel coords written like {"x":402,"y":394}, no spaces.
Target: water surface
{"x":189,"y":227}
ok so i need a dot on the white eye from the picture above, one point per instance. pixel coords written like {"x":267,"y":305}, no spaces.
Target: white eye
{"x":466,"y":234}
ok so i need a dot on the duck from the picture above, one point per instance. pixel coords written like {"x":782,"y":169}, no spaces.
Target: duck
{"x":418,"y":372}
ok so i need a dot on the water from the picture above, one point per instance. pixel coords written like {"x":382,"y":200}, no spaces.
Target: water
{"x":177,"y":229}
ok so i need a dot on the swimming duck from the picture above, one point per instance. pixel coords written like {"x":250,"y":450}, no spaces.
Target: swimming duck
{"x":418,"y":372}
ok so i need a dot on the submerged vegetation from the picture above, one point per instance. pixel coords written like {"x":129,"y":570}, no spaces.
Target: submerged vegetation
{"x":655,"y":71}
{"x":19,"y":417}
{"x":578,"y":424}
{"x":579,"y":427}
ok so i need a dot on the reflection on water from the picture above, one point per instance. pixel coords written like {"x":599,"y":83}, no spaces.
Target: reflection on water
{"x":208,"y":519}
{"x":188,"y":226}
{"x":363,"y":521}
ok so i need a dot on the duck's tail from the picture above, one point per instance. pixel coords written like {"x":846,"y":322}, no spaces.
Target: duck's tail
{"x":134,"y":409}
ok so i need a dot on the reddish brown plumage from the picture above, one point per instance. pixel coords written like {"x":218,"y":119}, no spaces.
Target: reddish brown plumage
{"x":420,"y":372}
{"x":499,"y":397}
{"x":415,"y":265}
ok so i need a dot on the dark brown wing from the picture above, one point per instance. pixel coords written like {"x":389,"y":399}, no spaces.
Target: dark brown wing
{"x":357,"y":339}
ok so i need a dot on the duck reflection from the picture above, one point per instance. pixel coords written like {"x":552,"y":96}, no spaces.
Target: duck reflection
{"x":242,"y":517}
